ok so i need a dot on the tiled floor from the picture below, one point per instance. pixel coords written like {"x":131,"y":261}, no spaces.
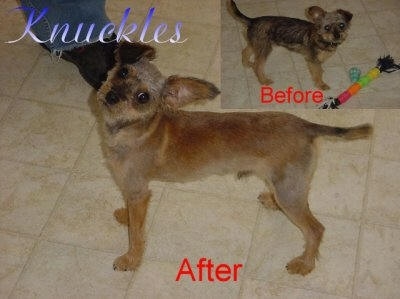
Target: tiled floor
{"x":374,"y":32}
{"x":58,"y":238}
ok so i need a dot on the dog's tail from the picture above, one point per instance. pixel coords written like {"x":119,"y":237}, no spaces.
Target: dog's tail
{"x":351,"y":133}
{"x":236,"y":12}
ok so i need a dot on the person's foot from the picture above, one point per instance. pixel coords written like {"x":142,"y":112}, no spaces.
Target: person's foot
{"x":93,"y":61}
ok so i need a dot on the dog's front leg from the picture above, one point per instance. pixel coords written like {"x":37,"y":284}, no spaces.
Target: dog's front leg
{"x":316,"y":72}
{"x":137,"y":208}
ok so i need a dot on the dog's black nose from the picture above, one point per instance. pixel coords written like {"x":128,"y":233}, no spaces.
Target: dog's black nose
{"x":111,"y":97}
{"x":336,"y":34}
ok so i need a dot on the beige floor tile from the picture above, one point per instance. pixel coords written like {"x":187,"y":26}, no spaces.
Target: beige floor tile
{"x":166,"y":287}
{"x":338,"y":187}
{"x":378,"y":99}
{"x":383,"y":197}
{"x":43,"y":134}
{"x":61,"y":271}
{"x":280,"y":60}
{"x":295,"y":9}
{"x":257,"y":8}
{"x":232,"y":64}
{"x":354,"y":6}
{"x":387,"y":134}
{"x":235,"y":93}
{"x":227,"y":186}
{"x":379,"y":273}
{"x":276,"y":241}
{"x":4,"y":104}
{"x":214,"y":70}
{"x":205,"y":12}
{"x":193,"y":225}
{"x":301,"y":64}
{"x":27,"y":196}
{"x":91,"y":162}
{"x":373,"y":5}
{"x":14,"y":252}
{"x":386,"y":21}
{"x":362,"y":50}
{"x":56,"y":81}
{"x":12,"y":24}
{"x":227,"y":21}
{"x":84,"y":216}
{"x":13,"y":70}
{"x":261,"y":289}
{"x":138,"y":13}
{"x":194,"y":51}
{"x":391,"y":42}
{"x":360,"y":26}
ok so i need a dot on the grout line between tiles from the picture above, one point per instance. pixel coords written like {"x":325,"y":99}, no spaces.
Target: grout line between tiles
{"x":302,"y":288}
{"x":212,"y":60}
{"x":363,"y":211}
{"x":201,"y":192}
{"x":19,"y":234}
{"x":53,"y":104}
{"x":256,"y":224}
{"x":34,"y":164}
{"x":28,"y":74}
{"x":40,"y":238}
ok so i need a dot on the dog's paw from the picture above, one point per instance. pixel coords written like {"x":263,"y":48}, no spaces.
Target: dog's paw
{"x":266,"y":81}
{"x":299,"y":266}
{"x":247,"y":63}
{"x":324,"y":86}
{"x":121,"y":215}
{"x":268,"y":200}
{"x":126,"y":262}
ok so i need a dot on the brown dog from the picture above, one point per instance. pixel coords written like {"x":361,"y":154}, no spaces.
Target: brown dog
{"x":316,"y":40}
{"x":147,"y":137}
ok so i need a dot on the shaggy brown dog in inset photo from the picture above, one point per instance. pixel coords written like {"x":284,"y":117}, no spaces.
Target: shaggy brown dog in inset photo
{"x":148,"y":138}
{"x":316,"y":40}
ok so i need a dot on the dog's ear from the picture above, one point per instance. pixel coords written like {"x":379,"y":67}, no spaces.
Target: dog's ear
{"x":179,"y":91}
{"x":128,"y":53}
{"x":315,"y":13}
{"x":346,"y":14}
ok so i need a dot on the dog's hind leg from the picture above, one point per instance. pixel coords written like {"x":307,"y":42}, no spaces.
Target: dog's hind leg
{"x":121,"y":215}
{"x":246,"y":55}
{"x":260,"y":58}
{"x":268,"y":200}
{"x":291,"y":192}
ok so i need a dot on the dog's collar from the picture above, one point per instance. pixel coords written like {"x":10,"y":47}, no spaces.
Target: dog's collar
{"x":115,"y":127}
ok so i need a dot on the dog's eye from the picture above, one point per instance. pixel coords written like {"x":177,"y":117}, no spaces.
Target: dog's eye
{"x":143,"y":97}
{"x":342,"y":25}
{"x":123,"y":73}
{"x":327,"y":27}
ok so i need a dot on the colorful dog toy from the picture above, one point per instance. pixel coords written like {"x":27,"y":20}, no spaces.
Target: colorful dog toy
{"x":385,"y":64}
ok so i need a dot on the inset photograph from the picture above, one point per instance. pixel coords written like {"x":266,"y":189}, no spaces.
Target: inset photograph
{"x":302,"y":54}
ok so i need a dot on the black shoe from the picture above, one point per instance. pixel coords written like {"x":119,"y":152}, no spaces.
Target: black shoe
{"x":93,"y":61}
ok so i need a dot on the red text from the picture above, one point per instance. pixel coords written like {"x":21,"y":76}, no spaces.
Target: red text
{"x":206,"y":270}
{"x":290,"y":96}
